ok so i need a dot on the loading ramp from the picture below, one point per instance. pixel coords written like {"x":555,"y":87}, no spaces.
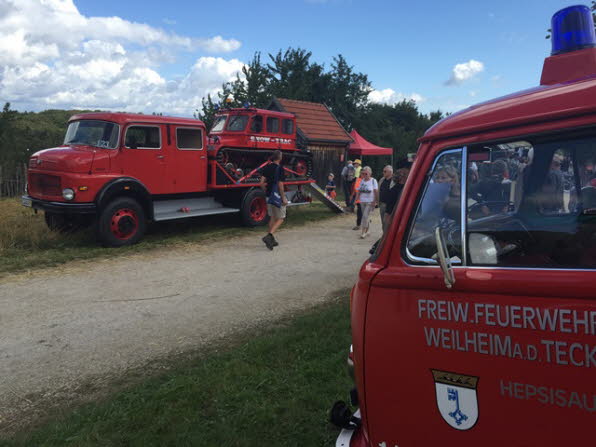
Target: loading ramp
{"x":319,"y":194}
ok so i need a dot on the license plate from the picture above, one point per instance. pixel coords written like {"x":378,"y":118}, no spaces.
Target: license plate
{"x":26,"y":202}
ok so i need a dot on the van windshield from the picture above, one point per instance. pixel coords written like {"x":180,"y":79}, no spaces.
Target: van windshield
{"x":93,"y":133}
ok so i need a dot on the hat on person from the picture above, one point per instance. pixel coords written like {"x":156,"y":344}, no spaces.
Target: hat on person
{"x":357,"y":161}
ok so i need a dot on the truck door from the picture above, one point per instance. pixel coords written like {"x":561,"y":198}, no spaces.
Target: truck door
{"x":505,"y":356}
{"x":189,"y":166}
{"x":144,"y":157}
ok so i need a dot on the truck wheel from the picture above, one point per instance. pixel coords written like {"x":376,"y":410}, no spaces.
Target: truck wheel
{"x":121,"y":222}
{"x":254,"y":208}
{"x":66,"y":223}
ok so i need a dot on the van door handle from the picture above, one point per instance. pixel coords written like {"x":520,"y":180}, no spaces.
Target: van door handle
{"x":203,"y":157}
{"x":161,"y":157}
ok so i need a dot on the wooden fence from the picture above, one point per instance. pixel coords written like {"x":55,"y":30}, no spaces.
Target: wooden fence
{"x":12,"y":183}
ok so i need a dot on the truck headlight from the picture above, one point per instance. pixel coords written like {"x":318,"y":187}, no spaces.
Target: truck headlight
{"x":68,"y":193}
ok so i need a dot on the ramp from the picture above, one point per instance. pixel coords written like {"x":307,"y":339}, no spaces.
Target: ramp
{"x":320,"y":195}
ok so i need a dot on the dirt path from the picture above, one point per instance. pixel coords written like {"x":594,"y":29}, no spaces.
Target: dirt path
{"x":62,"y":328}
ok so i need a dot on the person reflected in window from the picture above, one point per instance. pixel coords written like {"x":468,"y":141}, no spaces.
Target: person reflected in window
{"x":492,"y":191}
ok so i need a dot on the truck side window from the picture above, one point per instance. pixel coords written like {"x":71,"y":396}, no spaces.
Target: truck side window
{"x":440,"y":206}
{"x":143,"y":137}
{"x":288,"y":126}
{"x":188,"y":138}
{"x":257,"y":124}
{"x":273,"y":125}
{"x":537,"y":207}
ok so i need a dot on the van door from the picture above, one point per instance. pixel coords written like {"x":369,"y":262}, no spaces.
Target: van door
{"x":189,"y":167}
{"x":505,"y":356}
{"x":144,"y":157}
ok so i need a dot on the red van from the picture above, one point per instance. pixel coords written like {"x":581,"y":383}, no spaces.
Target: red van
{"x":474,"y":323}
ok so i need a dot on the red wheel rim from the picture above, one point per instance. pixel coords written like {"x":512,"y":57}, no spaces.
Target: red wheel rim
{"x":301,"y":168}
{"x":258,"y":209}
{"x":124,"y":223}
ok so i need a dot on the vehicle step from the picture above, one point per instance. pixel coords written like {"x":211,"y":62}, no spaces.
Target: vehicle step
{"x":181,"y":208}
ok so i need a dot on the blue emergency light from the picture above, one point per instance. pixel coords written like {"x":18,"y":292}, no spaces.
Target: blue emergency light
{"x":572,"y":30}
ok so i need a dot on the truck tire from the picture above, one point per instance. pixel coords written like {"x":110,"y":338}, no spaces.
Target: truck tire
{"x":66,"y":223}
{"x":253,"y":208}
{"x":121,"y":222}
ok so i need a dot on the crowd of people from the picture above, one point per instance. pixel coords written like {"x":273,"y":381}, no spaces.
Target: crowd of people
{"x":364,"y":193}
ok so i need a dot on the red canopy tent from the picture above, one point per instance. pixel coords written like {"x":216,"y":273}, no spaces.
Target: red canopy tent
{"x":360,"y":147}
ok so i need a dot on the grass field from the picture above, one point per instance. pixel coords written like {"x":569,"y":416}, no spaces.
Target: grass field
{"x":26,"y":243}
{"x":273,"y":387}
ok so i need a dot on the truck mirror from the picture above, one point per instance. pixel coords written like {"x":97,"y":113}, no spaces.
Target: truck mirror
{"x":444,"y":259}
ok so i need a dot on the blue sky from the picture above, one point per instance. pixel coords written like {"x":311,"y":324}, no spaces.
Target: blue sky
{"x":407,"y":48}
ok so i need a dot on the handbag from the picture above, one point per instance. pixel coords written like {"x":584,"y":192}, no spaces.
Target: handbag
{"x":275,"y":198}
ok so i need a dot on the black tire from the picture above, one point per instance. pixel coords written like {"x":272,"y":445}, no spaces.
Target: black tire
{"x":121,"y":222}
{"x":67,"y":223}
{"x":253,"y":208}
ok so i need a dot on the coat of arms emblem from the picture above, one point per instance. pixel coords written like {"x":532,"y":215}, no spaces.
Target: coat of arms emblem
{"x":456,"y":398}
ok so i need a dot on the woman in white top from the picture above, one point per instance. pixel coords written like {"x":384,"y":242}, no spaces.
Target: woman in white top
{"x":368,"y":195}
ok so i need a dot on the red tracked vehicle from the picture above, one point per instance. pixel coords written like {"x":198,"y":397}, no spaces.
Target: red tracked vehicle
{"x":118,"y":171}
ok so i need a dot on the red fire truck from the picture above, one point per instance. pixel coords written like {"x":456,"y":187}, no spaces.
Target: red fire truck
{"x":119,"y":170}
{"x":474,"y":322}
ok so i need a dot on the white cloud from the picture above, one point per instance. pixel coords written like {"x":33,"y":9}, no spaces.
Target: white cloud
{"x":53,"y":56}
{"x":169,"y":21}
{"x":464,"y":72}
{"x":390,"y":96}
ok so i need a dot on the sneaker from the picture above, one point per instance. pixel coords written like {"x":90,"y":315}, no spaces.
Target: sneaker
{"x":363,"y":235}
{"x":268,"y":240}
{"x":274,"y":243}
{"x":357,"y":227}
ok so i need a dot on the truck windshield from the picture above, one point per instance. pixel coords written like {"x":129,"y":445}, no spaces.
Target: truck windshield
{"x":219,"y":122}
{"x":93,"y":133}
{"x":237,"y":123}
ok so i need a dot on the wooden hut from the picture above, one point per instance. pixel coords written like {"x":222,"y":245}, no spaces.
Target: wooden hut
{"x":320,"y":132}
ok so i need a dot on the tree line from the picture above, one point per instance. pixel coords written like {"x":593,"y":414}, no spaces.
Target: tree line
{"x":290,"y":74}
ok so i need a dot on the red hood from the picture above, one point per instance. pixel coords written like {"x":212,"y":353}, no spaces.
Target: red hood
{"x":75,"y":158}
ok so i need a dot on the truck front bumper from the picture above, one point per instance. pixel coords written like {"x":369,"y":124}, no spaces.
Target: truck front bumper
{"x":59,"y":207}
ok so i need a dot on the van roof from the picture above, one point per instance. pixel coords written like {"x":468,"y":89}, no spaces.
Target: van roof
{"x":539,"y":104}
{"x":124,"y":118}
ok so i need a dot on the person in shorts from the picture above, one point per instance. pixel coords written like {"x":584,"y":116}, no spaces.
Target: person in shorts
{"x":330,"y":187}
{"x":269,"y":174}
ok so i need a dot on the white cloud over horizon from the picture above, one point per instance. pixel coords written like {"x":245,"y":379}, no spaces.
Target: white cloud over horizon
{"x":464,"y":72}
{"x":390,"y":97}
{"x":52,"y":56}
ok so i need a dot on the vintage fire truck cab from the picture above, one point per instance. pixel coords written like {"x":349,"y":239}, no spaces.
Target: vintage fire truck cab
{"x":474,"y":322}
{"x":119,"y":171}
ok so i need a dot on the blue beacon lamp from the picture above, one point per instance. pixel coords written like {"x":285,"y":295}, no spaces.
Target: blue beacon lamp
{"x":572,"y":30}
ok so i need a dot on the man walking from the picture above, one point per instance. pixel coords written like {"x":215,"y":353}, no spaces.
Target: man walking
{"x":272,"y":178}
{"x":385,"y":184}
{"x":348,"y":177}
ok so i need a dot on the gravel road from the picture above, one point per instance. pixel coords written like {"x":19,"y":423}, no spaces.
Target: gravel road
{"x":61,"y":329}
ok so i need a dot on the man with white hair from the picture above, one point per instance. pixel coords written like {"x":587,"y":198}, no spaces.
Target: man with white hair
{"x":385,"y":184}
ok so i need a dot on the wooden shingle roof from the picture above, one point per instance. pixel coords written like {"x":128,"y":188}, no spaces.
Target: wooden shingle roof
{"x":315,"y":121}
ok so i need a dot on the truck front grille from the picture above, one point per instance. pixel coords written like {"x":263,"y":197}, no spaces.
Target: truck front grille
{"x":44,"y":185}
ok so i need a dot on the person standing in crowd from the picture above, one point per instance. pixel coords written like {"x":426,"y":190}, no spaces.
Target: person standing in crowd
{"x":399,"y":180}
{"x":357,"y":203}
{"x":385,"y":184}
{"x":368,"y":195}
{"x":348,"y":177}
{"x":357,"y":168}
{"x":272,"y":175}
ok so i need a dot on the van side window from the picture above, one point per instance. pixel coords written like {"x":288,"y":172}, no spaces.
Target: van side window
{"x":273,"y":125}
{"x":288,"y":126}
{"x":188,"y":138}
{"x":532,"y":204}
{"x":440,"y":206}
{"x":143,"y":137}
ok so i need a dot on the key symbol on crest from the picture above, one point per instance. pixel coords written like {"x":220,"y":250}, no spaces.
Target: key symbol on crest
{"x":457,"y":415}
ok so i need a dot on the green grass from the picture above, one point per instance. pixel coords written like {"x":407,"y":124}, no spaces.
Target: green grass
{"x":273,"y":387}
{"x":26,"y":243}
